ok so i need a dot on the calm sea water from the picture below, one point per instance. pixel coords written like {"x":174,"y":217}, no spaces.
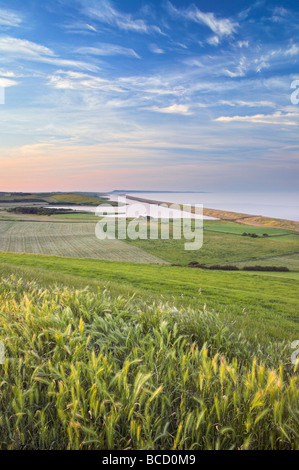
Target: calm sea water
{"x":278,"y":205}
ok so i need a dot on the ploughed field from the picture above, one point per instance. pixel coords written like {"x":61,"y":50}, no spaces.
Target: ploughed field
{"x":74,"y":240}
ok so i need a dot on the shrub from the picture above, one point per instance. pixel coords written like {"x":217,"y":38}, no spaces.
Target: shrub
{"x":266,"y":268}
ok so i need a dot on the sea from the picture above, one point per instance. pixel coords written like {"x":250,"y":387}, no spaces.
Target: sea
{"x":275,"y":204}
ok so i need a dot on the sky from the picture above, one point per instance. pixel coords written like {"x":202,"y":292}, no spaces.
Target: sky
{"x":97,"y":95}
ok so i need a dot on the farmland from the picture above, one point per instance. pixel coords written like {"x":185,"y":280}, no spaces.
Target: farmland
{"x":105,"y":341}
{"x":76,"y":240}
{"x":224,"y":243}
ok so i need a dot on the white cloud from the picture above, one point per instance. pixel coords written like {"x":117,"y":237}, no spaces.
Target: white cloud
{"x":22,"y":47}
{"x":294,"y":50}
{"x":91,"y":28}
{"x":275,"y":118}
{"x":193,"y":62}
{"x":249,"y":104}
{"x":280,"y":11}
{"x":214,"y":41}
{"x":173,"y":109}
{"x":279,"y":14}
{"x":80,"y":81}
{"x":220,"y":26}
{"x":156,"y":49}
{"x":155,"y":85}
{"x":240,"y":69}
{"x":7,"y":73}
{"x":27,"y":50}
{"x":80,"y":27}
{"x":9,"y":18}
{"x":243,"y":44}
{"x":104,"y":12}
{"x":105,"y":49}
{"x":277,"y":55}
{"x":6,"y":83}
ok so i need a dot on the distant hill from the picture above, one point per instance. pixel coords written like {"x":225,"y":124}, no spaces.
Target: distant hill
{"x":57,"y":198}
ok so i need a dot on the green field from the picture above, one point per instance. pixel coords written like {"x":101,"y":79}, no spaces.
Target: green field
{"x":223,"y":243}
{"x":259,"y":304}
{"x":232,"y":227}
{"x":74,"y":216}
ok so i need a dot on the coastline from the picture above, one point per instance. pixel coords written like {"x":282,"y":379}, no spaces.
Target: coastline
{"x":237,"y":217}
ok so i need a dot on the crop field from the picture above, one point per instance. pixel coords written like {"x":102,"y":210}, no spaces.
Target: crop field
{"x":75,"y":240}
{"x":85,"y":370}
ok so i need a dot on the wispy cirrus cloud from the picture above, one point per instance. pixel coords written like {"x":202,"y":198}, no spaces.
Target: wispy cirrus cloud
{"x":106,"y":49}
{"x":139,"y":89}
{"x":27,"y":50}
{"x":221,"y":27}
{"x":249,"y":104}
{"x":23,"y":47}
{"x":275,"y":118}
{"x":68,"y":80}
{"x":80,"y":27}
{"x":9,"y":18}
{"x":105,"y":12}
{"x":240,"y":69}
{"x":276,"y":57}
{"x":173,"y":109}
{"x":279,"y":14}
{"x":156,"y":49}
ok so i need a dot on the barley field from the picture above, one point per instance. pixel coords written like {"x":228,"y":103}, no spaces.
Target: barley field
{"x":85,"y":370}
{"x":74,"y":240}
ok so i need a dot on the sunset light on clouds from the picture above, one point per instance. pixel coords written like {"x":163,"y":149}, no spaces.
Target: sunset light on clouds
{"x":102,"y":95}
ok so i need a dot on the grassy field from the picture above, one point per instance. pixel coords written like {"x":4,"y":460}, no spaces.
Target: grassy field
{"x":235,"y":228}
{"x":224,"y":243}
{"x":291,"y":261}
{"x":87,"y":370}
{"x":262,"y":305}
{"x":69,"y":217}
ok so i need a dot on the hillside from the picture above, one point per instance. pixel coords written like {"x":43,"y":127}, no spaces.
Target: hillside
{"x":87,"y":370}
{"x":79,"y":199}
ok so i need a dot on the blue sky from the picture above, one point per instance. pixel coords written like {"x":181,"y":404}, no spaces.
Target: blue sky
{"x":141,"y":94}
